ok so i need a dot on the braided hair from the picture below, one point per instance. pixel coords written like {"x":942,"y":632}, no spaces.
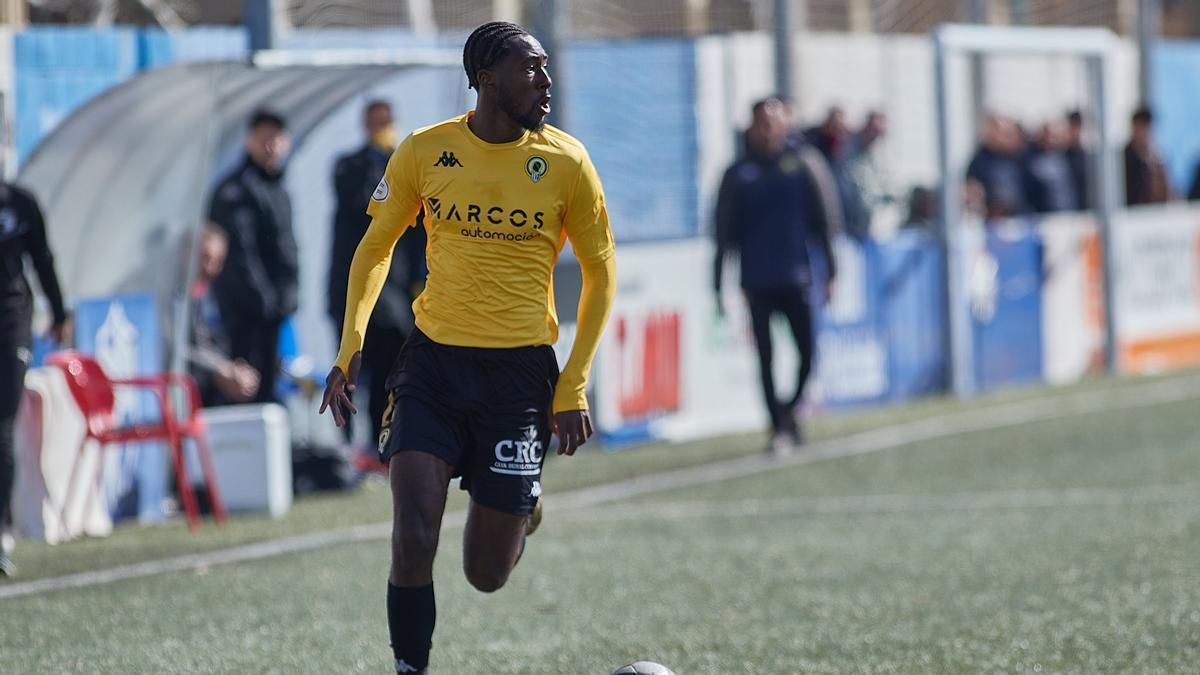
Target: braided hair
{"x":487,"y":45}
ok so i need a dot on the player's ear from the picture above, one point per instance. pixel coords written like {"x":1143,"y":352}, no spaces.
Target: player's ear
{"x":486,"y":79}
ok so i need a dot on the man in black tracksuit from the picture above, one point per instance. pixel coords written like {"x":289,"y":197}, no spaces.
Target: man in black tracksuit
{"x":355,"y":177}
{"x":259,"y":286}
{"x":770,"y":210}
{"x":22,"y":233}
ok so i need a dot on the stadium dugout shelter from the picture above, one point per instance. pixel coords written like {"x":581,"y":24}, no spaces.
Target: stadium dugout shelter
{"x":125,"y":180}
{"x":958,"y":92}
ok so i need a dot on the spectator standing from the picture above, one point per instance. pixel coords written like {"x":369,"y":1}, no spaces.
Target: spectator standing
{"x":1049,"y":182}
{"x":259,"y":285}
{"x":222,"y":380}
{"x":769,"y":210}
{"x":1145,"y":172}
{"x":995,"y":176}
{"x":1194,"y":193}
{"x":1077,"y":158}
{"x":836,"y":143}
{"x":355,"y":178}
{"x":866,"y":171}
{"x":922,"y":210}
{"x":22,"y":235}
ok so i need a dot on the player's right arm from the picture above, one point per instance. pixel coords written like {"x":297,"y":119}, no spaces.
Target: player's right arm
{"x":393,"y":209}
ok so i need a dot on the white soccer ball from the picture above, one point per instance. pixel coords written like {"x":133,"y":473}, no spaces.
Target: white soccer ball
{"x":644,"y":668}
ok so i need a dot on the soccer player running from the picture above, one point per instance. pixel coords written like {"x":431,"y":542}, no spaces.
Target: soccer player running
{"x":475,"y":391}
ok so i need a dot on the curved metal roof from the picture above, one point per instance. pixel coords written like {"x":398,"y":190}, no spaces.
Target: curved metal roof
{"x":126,"y":176}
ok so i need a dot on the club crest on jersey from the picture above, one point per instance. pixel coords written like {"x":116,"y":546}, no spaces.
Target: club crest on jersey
{"x":381,"y":191}
{"x":536,"y":167}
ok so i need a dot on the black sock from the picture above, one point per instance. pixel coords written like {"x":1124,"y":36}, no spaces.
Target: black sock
{"x":411,"y":615}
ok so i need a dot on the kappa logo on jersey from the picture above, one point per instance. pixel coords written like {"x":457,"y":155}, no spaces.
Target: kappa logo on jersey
{"x":536,"y":167}
{"x":403,"y":667}
{"x":381,"y":191}
{"x":536,"y":490}
{"x":521,"y":457}
{"x":447,"y":159}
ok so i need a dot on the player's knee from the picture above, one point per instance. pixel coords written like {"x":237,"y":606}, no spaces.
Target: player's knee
{"x":486,"y":579}
{"x":414,"y":546}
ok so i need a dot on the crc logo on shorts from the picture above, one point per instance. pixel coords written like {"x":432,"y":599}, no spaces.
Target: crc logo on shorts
{"x":536,"y":167}
{"x":381,"y":191}
{"x":522,"y":457}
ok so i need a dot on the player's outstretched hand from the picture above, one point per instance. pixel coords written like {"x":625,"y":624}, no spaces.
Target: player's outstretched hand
{"x":338,"y":388}
{"x":573,"y":428}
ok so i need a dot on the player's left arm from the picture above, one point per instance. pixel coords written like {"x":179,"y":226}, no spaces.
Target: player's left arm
{"x":587,"y":227}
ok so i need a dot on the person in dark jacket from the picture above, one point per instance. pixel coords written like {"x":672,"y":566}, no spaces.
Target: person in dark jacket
{"x":1146,"y":179}
{"x":259,"y":286}
{"x":355,"y":177}
{"x":22,"y":235}
{"x":1049,"y":184}
{"x":995,"y":177}
{"x":1194,"y":192}
{"x":1077,"y":158}
{"x":836,"y":143}
{"x":770,"y":210}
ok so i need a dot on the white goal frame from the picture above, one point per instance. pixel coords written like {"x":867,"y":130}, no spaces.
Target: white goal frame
{"x":1095,"y":46}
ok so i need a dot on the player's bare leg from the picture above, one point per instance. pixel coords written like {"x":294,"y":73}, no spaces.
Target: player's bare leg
{"x":492,"y":544}
{"x":419,"y":484}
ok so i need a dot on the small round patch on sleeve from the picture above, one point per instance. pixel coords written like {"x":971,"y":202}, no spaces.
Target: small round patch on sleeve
{"x":381,"y":190}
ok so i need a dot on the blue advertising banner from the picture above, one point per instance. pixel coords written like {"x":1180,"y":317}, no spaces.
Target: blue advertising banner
{"x":123,"y":334}
{"x":852,"y":353}
{"x":1005,"y":281}
{"x":914,"y":317}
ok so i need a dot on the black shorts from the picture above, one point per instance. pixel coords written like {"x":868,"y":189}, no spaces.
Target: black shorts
{"x":486,"y":412}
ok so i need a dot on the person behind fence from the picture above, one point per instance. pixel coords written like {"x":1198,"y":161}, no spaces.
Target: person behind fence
{"x":260,"y":284}
{"x":922,"y":211}
{"x":871,"y":187}
{"x":22,"y":235}
{"x":1049,"y":183}
{"x":222,"y":379}
{"x":769,"y":210}
{"x":1194,"y":192}
{"x":1146,"y":179}
{"x":355,"y":177}
{"x":835,"y":141}
{"x":995,"y":182}
{"x":1077,"y":158}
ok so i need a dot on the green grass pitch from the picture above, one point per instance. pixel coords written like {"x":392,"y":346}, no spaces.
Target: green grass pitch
{"x":1070,"y":544}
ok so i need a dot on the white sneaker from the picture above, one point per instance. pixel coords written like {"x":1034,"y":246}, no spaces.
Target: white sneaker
{"x":7,"y":543}
{"x":781,"y":445}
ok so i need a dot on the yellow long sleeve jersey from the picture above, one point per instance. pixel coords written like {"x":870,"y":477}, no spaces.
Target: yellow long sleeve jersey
{"x":497,"y":216}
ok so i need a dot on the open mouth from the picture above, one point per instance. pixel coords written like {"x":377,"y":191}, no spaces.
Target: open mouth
{"x":544,"y":105}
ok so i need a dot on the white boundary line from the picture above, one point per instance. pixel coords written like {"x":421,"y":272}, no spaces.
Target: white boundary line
{"x":990,"y":500}
{"x":893,"y":436}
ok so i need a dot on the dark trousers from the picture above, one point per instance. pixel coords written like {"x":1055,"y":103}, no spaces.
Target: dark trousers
{"x":381,"y":345}
{"x":793,"y":304}
{"x":257,"y":343}
{"x":12,"y":383}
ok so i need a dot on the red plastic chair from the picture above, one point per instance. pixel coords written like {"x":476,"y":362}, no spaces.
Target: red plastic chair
{"x":95,"y":395}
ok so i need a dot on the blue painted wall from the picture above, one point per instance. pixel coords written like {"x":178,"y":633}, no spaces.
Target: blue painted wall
{"x":639,"y":125}
{"x":640,"y":128}
{"x":1175,"y":89}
